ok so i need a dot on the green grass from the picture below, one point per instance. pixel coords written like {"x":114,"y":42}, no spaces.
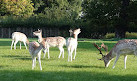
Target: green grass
{"x":15,"y":65}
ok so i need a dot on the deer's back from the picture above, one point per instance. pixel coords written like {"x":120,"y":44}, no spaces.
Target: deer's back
{"x":55,"y":41}
{"x":19,"y":36}
{"x":126,"y":46}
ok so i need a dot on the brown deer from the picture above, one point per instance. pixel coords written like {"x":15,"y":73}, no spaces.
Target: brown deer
{"x":35,"y":51}
{"x":51,"y":42}
{"x":122,"y":47}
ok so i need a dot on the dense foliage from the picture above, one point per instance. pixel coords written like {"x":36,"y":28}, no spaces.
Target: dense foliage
{"x":95,"y":17}
{"x":103,"y":16}
{"x":46,"y":13}
{"x":21,"y":8}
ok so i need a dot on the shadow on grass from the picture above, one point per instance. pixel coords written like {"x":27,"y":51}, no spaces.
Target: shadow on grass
{"x":5,"y":43}
{"x":30,"y":75}
{"x":3,"y":66}
{"x":26,"y":57}
{"x":79,"y":66}
{"x":18,"y":57}
{"x":8,"y":43}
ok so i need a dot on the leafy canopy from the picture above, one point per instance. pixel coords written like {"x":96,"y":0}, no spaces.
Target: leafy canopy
{"x":22,"y":8}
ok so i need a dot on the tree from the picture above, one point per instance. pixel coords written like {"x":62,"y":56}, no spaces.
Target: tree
{"x":22,"y":8}
{"x":123,"y":22}
{"x":46,"y":13}
{"x":99,"y":16}
{"x":58,"y":9}
{"x":110,"y":15}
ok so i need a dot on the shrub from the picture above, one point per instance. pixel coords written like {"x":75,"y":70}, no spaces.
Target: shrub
{"x":110,"y":35}
{"x":35,"y":22}
{"x":132,"y":35}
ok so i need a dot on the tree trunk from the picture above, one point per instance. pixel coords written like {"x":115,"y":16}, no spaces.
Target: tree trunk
{"x":120,"y":33}
{"x":122,"y":23}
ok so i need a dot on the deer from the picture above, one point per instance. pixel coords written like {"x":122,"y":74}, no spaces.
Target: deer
{"x":122,"y":47}
{"x":71,"y":32}
{"x":18,"y":36}
{"x":51,"y":42}
{"x":35,"y":51}
{"x":72,"y":43}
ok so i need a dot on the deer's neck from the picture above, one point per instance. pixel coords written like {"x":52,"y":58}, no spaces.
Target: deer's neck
{"x":110,"y":56}
{"x":40,"y":38}
{"x":38,"y":49}
{"x":75,"y":36}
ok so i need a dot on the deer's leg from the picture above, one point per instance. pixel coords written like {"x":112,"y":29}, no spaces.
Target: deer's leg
{"x":25,"y":44}
{"x":68,"y":53}
{"x":20,"y":45}
{"x":117,"y":57}
{"x":12,"y":44}
{"x":75,"y":53}
{"x":61,"y":51}
{"x":44,"y":51}
{"x":125,"y":59}
{"x":71,"y":52}
{"x":39,"y":59}
{"x":48,"y":52}
{"x":15,"y":44}
{"x":33,"y":62}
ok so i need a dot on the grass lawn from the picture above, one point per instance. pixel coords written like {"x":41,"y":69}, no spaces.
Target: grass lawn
{"x":16,"y":65}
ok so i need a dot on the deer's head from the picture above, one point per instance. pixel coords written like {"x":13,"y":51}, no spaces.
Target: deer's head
{"x":104,"y":58}
{"x":77,"y":31}
{"x":71,"y":32}
{"x":37,"y":33}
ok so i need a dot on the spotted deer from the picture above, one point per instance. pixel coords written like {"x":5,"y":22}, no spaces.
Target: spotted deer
{"x":51,"y":42}
{"x":72,"y":44}
{"x":35,"y":51}
{"x":18,"y":36}
{"x":122,"y":47}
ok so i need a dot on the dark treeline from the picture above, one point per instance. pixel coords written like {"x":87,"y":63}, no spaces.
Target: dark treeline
{"x":94,"y":17}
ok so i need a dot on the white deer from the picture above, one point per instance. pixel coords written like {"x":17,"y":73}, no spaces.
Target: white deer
{"x":35,"y":51}
{"x":71,"y":32}
{"x":72,"y":44}
{"x":51,"y":42}
{"x":18,"y":36}
{"x":122,"y":47}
